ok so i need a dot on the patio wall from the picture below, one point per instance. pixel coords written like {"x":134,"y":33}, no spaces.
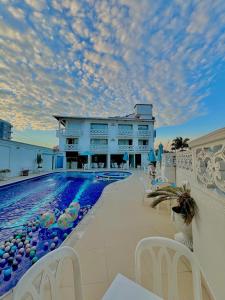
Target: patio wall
{"x":203,"y":166}
{"x":17,"y":156}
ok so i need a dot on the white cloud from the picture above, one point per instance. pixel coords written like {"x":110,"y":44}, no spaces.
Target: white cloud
{"x":101,"y":57}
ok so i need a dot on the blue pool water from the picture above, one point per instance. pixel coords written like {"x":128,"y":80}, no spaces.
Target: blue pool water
{"x":21,"y":205}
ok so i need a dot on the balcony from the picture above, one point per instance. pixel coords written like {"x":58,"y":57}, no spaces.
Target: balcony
{"x":71,"y":147}
{"x":142,"y":148}
{"x":98,"y":148}
{"x":125,"y":148}
{"x":97,"y":132}
{"x":143,"y":133}
{"x":125,"y":132}
{"x":68,"y":132}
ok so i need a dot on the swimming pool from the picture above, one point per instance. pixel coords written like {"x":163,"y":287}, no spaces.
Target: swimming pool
{"x":24,"y":237}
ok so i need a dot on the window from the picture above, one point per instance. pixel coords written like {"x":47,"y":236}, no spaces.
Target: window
{"x":71,"y":141}
{"x":142,"y":142}
{"x":99,"y":142}
{"x":125,"y":142}
{"x":125,"y":126}
{"x":142,"y":127}
{"x":99,"y":126}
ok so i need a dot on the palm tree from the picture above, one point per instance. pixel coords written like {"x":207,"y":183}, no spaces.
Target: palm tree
{"x":179,"y":143}
{"x":186,"y":205}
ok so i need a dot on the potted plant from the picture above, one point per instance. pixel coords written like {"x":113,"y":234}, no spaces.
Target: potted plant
{"x":39,"y":160}
{"x":183,"y":212}
{"x":3,"y":173}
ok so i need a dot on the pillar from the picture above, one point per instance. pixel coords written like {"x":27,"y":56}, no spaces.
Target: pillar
{"x":108,"y":161}
{"x":89,"y":161}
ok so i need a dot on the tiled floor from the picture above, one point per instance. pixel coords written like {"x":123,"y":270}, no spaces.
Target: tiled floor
{"x":109,"y":240}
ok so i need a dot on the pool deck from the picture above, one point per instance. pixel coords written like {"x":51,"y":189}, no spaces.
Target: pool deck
{"x":106,"y":244}
{"x":106,"y":238}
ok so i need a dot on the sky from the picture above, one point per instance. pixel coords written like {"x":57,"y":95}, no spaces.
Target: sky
{"x":100,"y":58}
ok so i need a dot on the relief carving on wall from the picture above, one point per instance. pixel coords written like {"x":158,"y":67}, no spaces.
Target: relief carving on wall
{"x":210,"y":167}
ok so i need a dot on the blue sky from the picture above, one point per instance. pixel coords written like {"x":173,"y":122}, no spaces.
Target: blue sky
{"x":97,"y":57}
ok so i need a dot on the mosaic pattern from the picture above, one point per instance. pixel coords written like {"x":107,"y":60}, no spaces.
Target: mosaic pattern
{"x":38,"y":214}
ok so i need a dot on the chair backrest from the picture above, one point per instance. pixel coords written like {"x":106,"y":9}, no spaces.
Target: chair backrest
{"x":160,"y":249}
{"x":161,"y":179}
{"x":49,"y":270}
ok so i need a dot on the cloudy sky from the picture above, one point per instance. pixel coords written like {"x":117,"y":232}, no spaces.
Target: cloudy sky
{"x":100,"y":57}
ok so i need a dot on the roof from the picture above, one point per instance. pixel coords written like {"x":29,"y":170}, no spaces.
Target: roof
{"x":25,"y":144}
{"x":148,"y":104}
{"x":131,"y":117}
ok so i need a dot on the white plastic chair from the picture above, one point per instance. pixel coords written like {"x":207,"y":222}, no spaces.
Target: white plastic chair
{"x":48,"y":270}
{"x":85,"y":166}
{"x":151,"y":244}
{"x":147,"y":189}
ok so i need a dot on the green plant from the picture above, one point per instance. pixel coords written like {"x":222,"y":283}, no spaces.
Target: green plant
{"x":39,"y":160}
{"x":179,"y":143}
{"x":186,"y":205}
{"x":5,"y":171}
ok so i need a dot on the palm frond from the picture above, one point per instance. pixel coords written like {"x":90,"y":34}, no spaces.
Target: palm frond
{"x":159,"y":193}
{"x":171,"y":189}
{"x":158,"y":200}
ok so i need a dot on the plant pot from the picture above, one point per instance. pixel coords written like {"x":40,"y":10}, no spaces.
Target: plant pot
{"x":184,"y":234}
{"x":2,"y":176}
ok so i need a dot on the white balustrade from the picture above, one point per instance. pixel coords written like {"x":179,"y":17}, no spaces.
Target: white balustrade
{"x":71,"y":147}
{"x":125,"y":132}
{"x":142,"y":148}
{"x":184,"y":160}
{"x":125,"y":147}
{"x":98,"y":131}
{"x":144,"y":133}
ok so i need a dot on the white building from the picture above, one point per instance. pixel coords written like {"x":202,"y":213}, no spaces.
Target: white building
{"x":102,"y":142}
{"x":16,"y":157}
{"x":5,"y":130}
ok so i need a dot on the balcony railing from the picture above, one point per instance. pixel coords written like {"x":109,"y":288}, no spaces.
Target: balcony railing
{"x":142,"y":148}
{"x":126,"y":147}
{"x":98,"y":131}
{"x":125,"y":132}
{"x":71,"y":147}
{"x":95,"y":147}
{"x":68,"y":132}
{"x":144,"y":133}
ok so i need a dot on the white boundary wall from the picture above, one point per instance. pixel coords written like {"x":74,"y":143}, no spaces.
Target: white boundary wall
{"x":16,"y":156}
{"x":204,"y":168}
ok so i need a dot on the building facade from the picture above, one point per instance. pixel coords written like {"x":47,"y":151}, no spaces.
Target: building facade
{"x":16,"y":157}
{"x":105,"y":142}
{"x":5,"y":130}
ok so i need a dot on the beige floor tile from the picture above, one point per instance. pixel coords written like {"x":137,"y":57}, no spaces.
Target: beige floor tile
{"x":93,"y":266}
{"x":94,"y":291}
{"x":120,"y":259}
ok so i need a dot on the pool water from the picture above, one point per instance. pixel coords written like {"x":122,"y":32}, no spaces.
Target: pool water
{"x":21,"y":205}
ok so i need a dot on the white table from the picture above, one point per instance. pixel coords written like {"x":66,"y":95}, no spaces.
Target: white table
{"x":123,"y":288}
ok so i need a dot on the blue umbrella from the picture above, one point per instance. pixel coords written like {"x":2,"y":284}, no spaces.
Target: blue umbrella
{"x":151,"y":155}
{"x":126,"y":156}
{"x":160,"y":152}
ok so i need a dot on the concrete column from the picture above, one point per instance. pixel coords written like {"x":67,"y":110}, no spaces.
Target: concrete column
{"x":89,"y":161}
{"x":108,"y":161}
{"x":64,"y":162}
